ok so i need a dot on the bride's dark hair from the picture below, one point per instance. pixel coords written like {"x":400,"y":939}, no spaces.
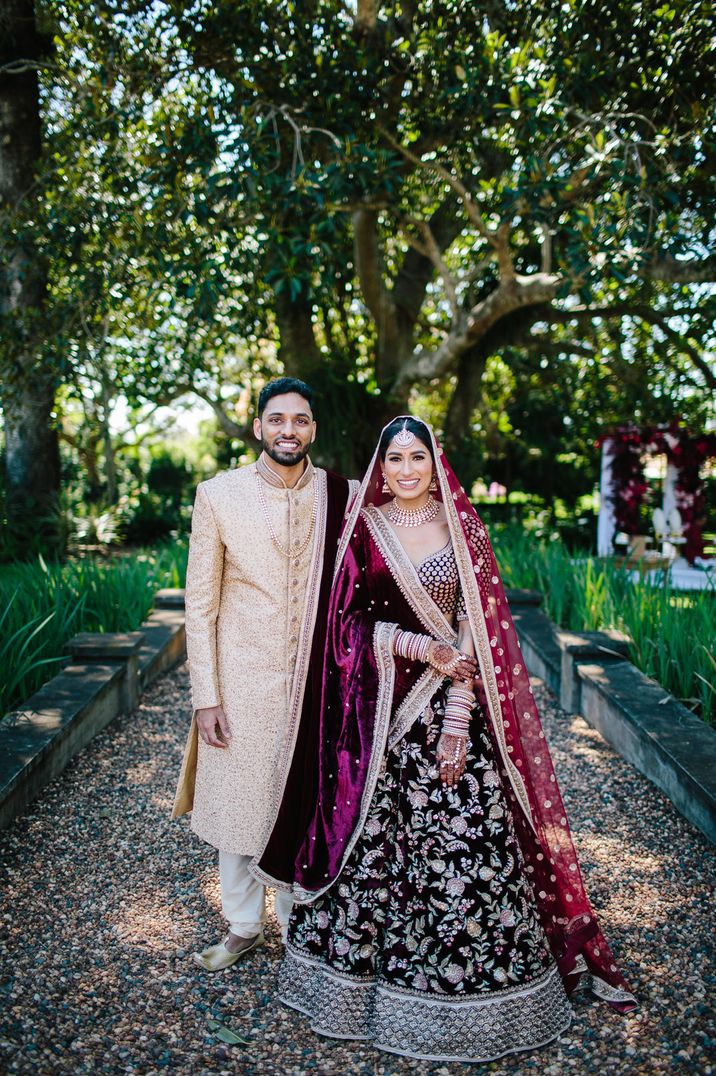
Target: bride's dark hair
{"x":413,"y":425}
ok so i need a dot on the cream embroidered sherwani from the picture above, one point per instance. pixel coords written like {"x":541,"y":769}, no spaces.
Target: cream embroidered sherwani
{"x":249,"y":622}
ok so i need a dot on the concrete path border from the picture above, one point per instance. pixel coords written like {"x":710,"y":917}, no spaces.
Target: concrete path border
{"x":592,"y":676}
{"x":588,"y":671}
{"x":105,"y":675}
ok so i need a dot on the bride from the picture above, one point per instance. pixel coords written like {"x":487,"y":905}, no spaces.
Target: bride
{"x":440,"y":911}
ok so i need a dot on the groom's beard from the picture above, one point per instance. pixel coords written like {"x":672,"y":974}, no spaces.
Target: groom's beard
{"x":285,"y":459}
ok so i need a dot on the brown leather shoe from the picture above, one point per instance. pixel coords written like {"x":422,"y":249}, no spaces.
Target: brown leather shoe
{"x":218,"y":957}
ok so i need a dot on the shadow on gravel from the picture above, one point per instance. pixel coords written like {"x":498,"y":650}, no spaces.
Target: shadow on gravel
{"x":104,"y":900}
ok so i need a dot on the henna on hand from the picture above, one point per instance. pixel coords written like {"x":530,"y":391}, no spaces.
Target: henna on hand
{"x":451,"y":755}
{"x":450,"y":661}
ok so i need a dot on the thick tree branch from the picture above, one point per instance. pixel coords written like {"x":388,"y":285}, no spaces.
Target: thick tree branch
{"x":509,"y":296}
{"x":645,"y":313}
{"x":239,"y":430}
{"x":369,"y":262}
{"x":417,"y":269}
{"x":674,"y":271}
{"x":366,"y":15}
{"x":432,"y":251}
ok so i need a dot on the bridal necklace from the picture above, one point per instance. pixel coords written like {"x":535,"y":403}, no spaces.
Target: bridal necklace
{"x":413,"y":517}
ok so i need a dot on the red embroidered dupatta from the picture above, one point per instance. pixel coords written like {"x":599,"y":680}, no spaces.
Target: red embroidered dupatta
{"x":370,"y":698}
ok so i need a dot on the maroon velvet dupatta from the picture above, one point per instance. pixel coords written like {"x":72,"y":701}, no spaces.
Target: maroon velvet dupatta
{"x":369,"y":698}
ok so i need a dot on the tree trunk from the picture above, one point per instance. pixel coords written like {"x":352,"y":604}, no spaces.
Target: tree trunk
{"x":28,"y":381}
{"x":110,"y":463}
{"x":465,"y":397}
{"x":298,"y":351}
{"x":32,"y":463}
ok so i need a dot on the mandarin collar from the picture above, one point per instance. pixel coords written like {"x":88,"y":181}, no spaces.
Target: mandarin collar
{"x":269,"y":475}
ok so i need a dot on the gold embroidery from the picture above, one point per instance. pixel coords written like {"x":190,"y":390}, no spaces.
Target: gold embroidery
{"x":414,"y":704}
{"x":383,"y":635}
{"x":478,"y":626}
{"x":405,"y":575}
{"x":298,"y":685}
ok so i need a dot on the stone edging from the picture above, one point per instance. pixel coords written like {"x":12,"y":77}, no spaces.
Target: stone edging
{"x":588,"y":671}
{"x":104,"y":677}
{"x":591,"y":675}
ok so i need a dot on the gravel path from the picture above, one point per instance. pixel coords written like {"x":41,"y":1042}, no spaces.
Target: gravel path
{"x":104,"y":899}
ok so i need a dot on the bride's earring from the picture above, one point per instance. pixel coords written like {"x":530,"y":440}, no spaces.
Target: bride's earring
{"x":386,"y":487}
{"x":433,"y":487}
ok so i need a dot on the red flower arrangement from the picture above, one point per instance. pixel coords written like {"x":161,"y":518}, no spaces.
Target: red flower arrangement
{"x":629,"y":489}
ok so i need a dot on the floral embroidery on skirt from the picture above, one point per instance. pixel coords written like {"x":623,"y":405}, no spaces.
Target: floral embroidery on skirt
{"x":429,"y":943}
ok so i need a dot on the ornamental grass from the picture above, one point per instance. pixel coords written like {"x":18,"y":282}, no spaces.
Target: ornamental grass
{"x":672,"y":633}
{"x":42,"y":605}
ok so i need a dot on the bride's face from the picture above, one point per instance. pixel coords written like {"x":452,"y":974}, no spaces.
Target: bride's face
{"x":408,"y":470}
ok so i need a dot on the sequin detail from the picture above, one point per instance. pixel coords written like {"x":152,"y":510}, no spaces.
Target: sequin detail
{"x":439,"y":575}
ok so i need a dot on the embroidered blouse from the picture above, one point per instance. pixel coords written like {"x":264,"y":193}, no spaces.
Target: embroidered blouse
{"x":439,"y":575}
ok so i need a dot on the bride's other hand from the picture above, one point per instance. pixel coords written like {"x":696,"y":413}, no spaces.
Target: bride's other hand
{"x":450,"y":661}
{"x":451,"y":755}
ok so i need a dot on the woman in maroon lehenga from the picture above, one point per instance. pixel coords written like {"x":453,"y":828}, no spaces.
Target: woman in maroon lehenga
{"x":440,"y":908}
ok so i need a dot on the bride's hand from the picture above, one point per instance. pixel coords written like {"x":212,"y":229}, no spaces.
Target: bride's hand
{"x":450,"y":661}
{"x":451,"y":755}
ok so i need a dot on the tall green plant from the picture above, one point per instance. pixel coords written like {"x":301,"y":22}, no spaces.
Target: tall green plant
{"x":673,"y":635}
{"x":42,"y":605}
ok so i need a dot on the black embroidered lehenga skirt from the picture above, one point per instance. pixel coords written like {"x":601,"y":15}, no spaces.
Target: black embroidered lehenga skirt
{"x":429,"y":944}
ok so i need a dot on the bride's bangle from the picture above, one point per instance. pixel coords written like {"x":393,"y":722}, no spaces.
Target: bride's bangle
{"x":458,"y":710}
{"x":410,"y":645}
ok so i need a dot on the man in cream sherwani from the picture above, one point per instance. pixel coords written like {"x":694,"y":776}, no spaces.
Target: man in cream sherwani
{"x":257,"y":556}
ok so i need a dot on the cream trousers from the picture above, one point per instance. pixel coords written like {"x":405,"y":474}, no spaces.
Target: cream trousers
{"x":243,"y":898}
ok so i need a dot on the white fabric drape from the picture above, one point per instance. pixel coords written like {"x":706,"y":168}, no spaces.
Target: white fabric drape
{"x":606,"y":524}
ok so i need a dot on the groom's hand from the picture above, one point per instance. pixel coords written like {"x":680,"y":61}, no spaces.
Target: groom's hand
{"x":212,"y":725}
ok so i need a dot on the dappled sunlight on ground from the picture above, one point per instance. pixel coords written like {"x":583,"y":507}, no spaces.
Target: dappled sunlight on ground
{"x":121,"y":896}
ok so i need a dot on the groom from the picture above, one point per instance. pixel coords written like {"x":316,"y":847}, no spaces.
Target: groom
{"x":261,"y":557}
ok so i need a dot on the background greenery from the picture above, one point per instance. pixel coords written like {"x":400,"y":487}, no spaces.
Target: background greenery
{"x":673,"y":635}
{"x":501,"y":220}
{"x":43,"y":605}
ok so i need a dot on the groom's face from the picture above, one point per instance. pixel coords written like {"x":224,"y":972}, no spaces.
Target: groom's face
{"x":286,"y":429}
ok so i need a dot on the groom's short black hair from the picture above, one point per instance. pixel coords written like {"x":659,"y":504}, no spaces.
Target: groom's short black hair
{"x":280,"y":387}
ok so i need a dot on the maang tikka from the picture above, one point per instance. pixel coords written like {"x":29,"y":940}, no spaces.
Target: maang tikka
{"x":404,"y":437}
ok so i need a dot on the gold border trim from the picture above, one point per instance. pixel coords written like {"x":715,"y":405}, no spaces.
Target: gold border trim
{"x":303,"y":655}
{"x":405,"y":575}
{"x":372,"y":982}
{"x":414,"y":704}
{"x":383,"y":635}
{"x":478,"y":627}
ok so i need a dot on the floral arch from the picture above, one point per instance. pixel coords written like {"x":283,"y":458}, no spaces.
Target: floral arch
{"x":624,"y":488}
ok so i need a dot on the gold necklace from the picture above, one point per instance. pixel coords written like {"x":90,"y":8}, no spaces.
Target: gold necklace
{"x":272,"y":533}
{"x":413,"y":517}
